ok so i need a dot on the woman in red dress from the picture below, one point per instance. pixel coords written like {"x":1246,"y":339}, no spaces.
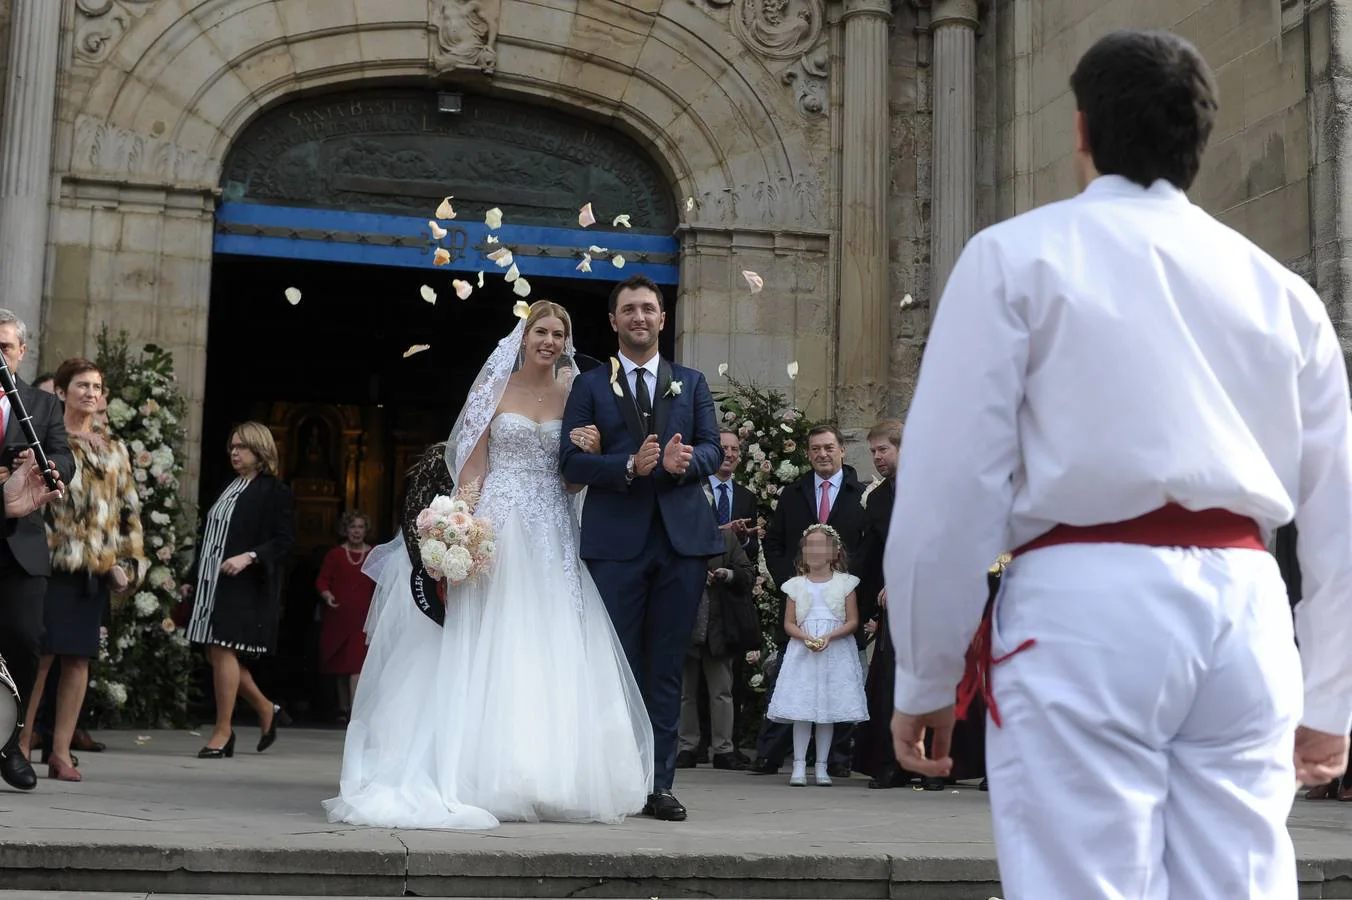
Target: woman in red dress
{"x":347,"y":600}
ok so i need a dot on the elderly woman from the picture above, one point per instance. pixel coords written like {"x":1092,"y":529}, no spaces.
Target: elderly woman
{"x":96,"y":544}
{"x":347,"y":600}
{"x":245,"y":539}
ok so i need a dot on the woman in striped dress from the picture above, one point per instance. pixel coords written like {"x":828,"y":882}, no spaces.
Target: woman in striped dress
{"x":245,"y":539}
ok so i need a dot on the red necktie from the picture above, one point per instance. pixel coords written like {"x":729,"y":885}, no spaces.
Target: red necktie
{"x":824,"y":508}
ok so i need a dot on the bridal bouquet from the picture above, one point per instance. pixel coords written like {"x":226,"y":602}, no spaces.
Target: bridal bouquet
{"x":455,"y":545}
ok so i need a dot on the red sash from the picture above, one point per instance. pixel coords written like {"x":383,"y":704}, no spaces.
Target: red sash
{"x":1168,"y":526}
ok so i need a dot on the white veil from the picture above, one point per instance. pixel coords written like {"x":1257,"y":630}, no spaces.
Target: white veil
{"x":481,"y":403}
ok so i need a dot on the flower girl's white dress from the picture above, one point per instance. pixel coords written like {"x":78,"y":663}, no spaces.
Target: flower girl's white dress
{"x":825,"y":686}
{"x":522,"y":706}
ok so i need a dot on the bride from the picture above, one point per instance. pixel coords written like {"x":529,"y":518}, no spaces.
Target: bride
{"x":521,"y":707}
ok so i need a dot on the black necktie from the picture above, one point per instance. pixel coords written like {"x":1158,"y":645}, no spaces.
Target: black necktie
{"x":643,"y":398}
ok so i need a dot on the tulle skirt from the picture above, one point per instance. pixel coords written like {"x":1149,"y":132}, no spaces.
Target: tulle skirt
{"x":521,"y":708}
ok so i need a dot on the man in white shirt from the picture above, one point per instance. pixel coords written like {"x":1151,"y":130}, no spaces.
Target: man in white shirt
{"x":1132,"y":397}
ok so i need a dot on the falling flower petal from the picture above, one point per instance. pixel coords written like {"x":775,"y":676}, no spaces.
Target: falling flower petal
{"x":907,"y":301}
{"x":437,"y":231}
{"x":492,"y":239}
{"x":585,"y":216}
{"x":292,"y":295}
{"x":481,"y":279}
{"x":753,"y":281}
{"x":722,"y":369}
{"x":195,"y":733}
{"x":521,"y":310}
{"x":793,"y":369}
{"x":512,"y":274}
{"x":689,"y":204}
{"x":462,"y":288}
{"x":428,"y":294}
{"x":585,"y":265}
{"x":493,"y":218}
{"x":622,"y":219}
{"x":502,"y":256}
{"x":521,"y":287}
{"x":597,"y":251}
{"x":617,"y":261}
{"x":416,"y":348}
{"x":441,"y":257}
{"x":445,"y":211}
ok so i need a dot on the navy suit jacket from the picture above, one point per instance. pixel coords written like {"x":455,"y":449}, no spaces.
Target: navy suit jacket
{"x":617,"y":516}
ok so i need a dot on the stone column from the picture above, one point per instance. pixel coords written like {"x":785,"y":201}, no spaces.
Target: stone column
{"x":26,"y":159}
{"x":864,"y":328}
{"x":953,"y":26}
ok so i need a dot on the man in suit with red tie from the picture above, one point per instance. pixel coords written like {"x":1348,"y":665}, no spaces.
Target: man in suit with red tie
{"x":25,"y":560}
{"x":830,"y":494}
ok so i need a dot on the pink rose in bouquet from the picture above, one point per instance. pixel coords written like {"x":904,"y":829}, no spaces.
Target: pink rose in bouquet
{"x":455,"y":545}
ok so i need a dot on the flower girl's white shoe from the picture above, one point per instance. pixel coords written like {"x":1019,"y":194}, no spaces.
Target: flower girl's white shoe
{"x":799,"y":776}
{"x":823,"y":777}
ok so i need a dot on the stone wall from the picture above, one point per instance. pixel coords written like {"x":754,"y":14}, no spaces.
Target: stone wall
{"x":1255,"y":175}
{"x":6,"y":10}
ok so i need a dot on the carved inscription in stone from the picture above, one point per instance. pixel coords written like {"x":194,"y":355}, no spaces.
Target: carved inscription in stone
{"x":100,"y":24}
{"x":466,"y":33}
{"x":391,"y":151}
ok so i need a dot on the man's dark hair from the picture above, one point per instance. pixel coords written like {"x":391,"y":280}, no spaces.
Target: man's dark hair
{"x":45,"y":376}
{"x":1149,"y":103}
{"x":631,"y":283}
{"x":827,"y":429}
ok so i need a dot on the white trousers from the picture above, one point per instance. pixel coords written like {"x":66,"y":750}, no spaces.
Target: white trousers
{"x":1146,"y":752}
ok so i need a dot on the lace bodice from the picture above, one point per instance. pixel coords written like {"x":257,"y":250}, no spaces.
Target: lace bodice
{"x":523,"y":479}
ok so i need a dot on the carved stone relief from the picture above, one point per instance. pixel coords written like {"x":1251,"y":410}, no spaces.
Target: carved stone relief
{"x":787,"y":201}
{"x":466,"y":34}
{"x":110,"y":150}
{"x":100,"y":24}
{"x":792,"y":30}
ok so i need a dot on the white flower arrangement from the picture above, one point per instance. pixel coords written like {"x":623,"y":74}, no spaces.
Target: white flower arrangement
{"x":145,"y":410}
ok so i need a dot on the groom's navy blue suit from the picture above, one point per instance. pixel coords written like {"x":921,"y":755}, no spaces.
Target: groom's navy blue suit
{"x":647,"y":542}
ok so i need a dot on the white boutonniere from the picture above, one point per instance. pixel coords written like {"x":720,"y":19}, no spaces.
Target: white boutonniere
{"x":674,"y":389}
{"x":873,"y":486}
{"x":615,"y":377}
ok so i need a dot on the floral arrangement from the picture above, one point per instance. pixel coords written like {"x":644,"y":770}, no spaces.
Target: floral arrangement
{"x":455,"y":545}
{"x":774,"y":434}
{"x":142,"y":674}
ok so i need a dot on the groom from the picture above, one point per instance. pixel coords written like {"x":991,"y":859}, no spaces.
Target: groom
{"x":647,"y":529}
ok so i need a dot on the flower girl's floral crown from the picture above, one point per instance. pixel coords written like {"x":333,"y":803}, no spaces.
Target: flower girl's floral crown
{"x":824,"y":529}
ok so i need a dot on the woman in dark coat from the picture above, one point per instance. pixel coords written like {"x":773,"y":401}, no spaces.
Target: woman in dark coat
{"x":247,"y":536}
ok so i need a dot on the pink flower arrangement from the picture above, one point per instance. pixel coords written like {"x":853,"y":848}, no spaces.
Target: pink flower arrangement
{"x":456,"y":546}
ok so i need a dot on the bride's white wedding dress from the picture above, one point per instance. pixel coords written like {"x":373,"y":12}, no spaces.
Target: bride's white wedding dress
{"x":522,"y":706}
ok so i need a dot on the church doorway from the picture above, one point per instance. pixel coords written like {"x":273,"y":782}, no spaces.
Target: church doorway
{"x":322,"y":251}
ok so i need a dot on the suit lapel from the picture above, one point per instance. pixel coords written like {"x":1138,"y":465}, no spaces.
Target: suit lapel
{"x":625,"y":401}
{"x":662,"y":402}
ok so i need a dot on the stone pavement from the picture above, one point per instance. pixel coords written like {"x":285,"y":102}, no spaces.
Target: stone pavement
{"x":152,"y":818}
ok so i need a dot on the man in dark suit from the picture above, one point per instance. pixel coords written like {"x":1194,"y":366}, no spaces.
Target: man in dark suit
{"x":873,"y":747}
{"x":647,"y":528}
{"x":829,"y":494}
{"x":25,"y":561}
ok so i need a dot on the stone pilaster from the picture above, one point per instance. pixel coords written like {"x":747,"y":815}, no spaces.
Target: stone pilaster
{"x":864,"y":332}
{"x":953,"y":26}
{"x":26,"y":158}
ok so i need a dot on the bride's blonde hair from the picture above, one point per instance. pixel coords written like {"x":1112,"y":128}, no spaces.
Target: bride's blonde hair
{"x":543,"y":309}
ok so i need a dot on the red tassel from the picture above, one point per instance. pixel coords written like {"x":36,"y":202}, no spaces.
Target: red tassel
{"x":976,"y":678}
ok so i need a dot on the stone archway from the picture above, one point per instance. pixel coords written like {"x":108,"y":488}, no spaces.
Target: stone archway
{"x":159,"y":94}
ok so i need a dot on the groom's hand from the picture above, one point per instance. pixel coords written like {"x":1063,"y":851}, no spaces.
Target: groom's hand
{"x":676,"y":456}
{"x":645,"y":460}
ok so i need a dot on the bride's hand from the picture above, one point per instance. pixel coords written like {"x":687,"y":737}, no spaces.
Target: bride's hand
{"x":587,"y":438}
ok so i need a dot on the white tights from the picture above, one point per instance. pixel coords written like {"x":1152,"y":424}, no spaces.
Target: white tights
{"x":802,"y":733}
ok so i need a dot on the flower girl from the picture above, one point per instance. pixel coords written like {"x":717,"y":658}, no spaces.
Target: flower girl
{"x":821,"y":680}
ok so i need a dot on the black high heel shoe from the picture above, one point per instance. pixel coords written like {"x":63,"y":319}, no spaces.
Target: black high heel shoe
{"x":219,"y":752}
{"x":279,"y":717}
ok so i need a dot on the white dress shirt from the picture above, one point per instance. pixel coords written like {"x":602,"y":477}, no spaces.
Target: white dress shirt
{"x":1096,"y":359}
{"x":832,"y":492}
{"x":649,"y":370}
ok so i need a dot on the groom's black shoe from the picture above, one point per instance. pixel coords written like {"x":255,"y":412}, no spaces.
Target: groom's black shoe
{"x":663,"y":805}
{"x":15,"y":769}
{"x":763,"y":766}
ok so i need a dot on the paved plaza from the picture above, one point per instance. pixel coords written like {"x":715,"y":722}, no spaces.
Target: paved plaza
{"x":152,"y":818}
